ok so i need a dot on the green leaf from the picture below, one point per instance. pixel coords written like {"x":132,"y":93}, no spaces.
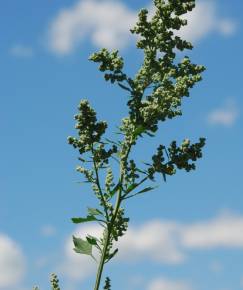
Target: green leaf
{"x":114,"y":190}
{"x":146,"y":189}
{"x":92,"y":240}
{"x":94,"y":211}
{"x":138,"y":131}
{"x":124,"y":87}
{"x":110,"y":256}
{"x":82,"y":246}
{"x":141,"y":191}
{"x":131,"y":187}
{"x":79,"y":220}
{"x":150,"y":134}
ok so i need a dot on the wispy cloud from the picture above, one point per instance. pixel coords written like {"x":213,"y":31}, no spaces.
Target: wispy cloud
{"x":216,"y":267}
{"x":21,"y":51}
{"x":106,"y":23}
{"x":48,"y":231}
{"x":166,"y":284}
{"x":145,"y":243}
{"x":12,"y":263}
{"x":225,"y":115}
{"x":224,"y":231}
{"x":204,"y":20}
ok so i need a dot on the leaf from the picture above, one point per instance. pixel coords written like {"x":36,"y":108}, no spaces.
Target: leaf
{"x":92,"y":240}
{"x":150,"y":134}
{"x":146,"y":189}
{"x":131,"y":187}
{"x":94,"y":211}
{"x":112,"y":142}
{"x":141,"y":191}
{"x":138,"y":131}
{"x":110,"y":256}
{"x":141,"y":171}
{"x":79,"y":220}
{"x":114,"y":190}
{"x":82,"y":247}
{"x":124,"y":87}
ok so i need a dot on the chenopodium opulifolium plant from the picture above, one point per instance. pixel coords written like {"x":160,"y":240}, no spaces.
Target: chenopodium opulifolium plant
{"x":155,"y":95}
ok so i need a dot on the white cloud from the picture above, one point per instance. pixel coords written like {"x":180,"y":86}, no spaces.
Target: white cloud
{"x":12,"y":263}
{"x":106,"y":23}
{"x":165,"y":242}
{"x":48,"y":230}
{"x":41,"y":262}
{"x":155,"y":240}
{"x":225,"y":115}
{"x":224,"y":231}
{"x":166,"y":284}
{"x":20,"y":50}
{"x":73,"y":262}
{"x":204,"y":20}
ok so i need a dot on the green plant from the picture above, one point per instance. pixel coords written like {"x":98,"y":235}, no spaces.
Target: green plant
{"x":155,"y":95}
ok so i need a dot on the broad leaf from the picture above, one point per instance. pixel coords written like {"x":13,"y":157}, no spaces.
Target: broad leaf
{"x":82,"y":246}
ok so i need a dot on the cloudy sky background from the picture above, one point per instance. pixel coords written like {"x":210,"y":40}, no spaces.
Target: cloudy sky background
{"x":188,"y":233}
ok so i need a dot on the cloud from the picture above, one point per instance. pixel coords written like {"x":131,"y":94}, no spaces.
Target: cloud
{"x":204,"y":20}
{"x":165,"y":242}
{"x":48,"y":230}
{"x":226,"y":115}
{"x":73,"y":262}
{"x":166,"y":284}
{"x":12,"y":263}
{"x":155,"y":240}
{"x":21,"y":51}
{"x":224,"y":231}
{"x":106,"y":23}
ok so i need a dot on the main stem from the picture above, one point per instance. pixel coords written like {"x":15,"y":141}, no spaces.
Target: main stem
{"x":107,"y":240}
{"x":110,"y":226}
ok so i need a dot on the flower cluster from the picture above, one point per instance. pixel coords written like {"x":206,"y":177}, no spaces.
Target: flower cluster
{"x":110,"y":62}
{"x":166,"y":161}
{"x":54,"y":282}
{"x":89,"y":130}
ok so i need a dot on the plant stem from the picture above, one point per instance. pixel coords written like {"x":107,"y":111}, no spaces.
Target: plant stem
{"x":102,"y":260}
{"x":110,"y":227}
{"x":107,"y":240}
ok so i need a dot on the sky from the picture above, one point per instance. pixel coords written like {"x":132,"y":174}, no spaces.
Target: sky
{"x":185,"y":235}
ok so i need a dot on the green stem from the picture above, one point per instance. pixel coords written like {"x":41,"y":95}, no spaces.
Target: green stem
{"x":98,"y":184}
{"x":107,"y":240}
{"x":109,"y":228}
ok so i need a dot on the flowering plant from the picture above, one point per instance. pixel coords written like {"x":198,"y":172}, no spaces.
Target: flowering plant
{"x":155,"y":95}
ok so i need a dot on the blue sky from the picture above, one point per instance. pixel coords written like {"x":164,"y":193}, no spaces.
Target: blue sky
{"x":188,"y":233}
